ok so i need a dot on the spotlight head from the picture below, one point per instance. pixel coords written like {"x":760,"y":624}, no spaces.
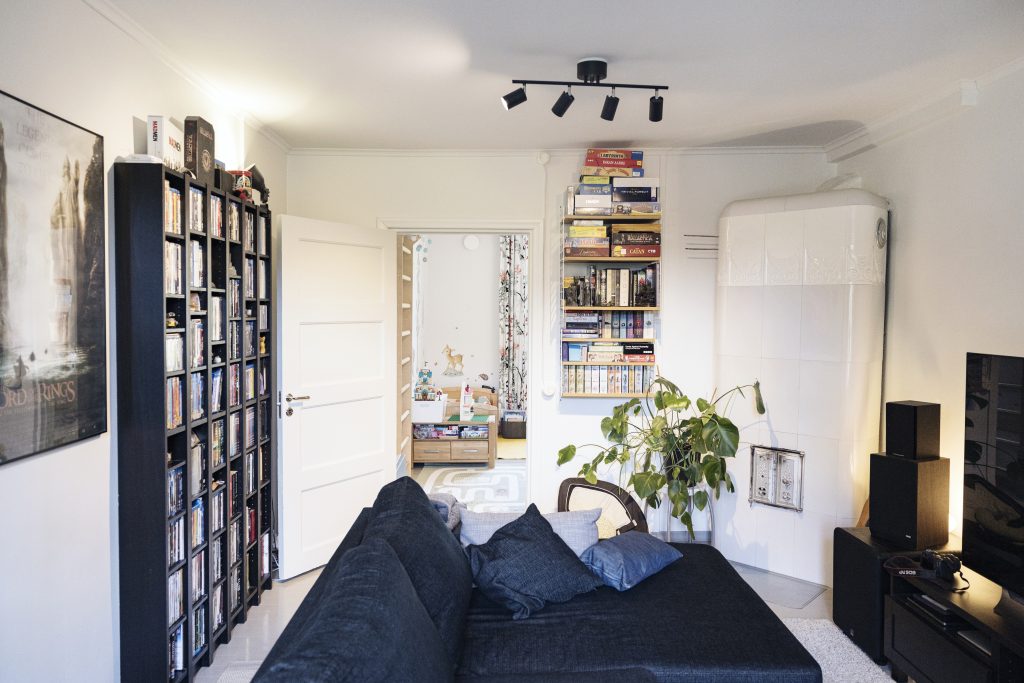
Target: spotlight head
{"x":657,"y":104}
{"x":514,"y":98}
{"x":562,"y":103}
{"x":611,"y":103}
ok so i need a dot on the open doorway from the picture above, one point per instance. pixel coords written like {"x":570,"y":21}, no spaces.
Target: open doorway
{"x":467,"y":366}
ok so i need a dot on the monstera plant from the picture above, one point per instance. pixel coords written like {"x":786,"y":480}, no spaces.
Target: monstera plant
{"x":670,"y":445}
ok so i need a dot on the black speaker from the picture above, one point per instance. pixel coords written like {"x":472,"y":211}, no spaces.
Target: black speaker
{"x":912,"y":429}
{"x":909,"y":501}
{"x":859,"y":586}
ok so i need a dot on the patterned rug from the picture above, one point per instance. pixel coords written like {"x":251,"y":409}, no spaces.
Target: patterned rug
{"x":502,"y":489}
{"x":840,"y":660}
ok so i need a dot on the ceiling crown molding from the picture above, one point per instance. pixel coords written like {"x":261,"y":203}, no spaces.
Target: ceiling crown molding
{"x":532,"y":153}
{"x":942,"y":105}
{"x":116,"y":16}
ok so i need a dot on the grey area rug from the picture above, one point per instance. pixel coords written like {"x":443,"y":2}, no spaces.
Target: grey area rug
{"x":840,"y":660}
{"x":502,"y":489}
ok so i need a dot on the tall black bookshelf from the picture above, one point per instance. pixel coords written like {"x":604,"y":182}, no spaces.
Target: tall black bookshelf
{"x":195,"y":417}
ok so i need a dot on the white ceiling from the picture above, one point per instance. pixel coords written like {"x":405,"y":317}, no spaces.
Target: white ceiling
{"x":416,"y":74}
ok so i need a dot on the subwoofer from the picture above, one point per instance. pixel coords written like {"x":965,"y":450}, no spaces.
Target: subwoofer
{"x":909,"y":501}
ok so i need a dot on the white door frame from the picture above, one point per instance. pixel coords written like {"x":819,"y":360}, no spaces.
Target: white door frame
{"x":534,"y":283}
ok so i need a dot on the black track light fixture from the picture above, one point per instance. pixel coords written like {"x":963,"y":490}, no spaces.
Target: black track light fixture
{"x":590,"y":72}
{"x":657,"y":105}
{"x":514,"y":98}
{"x":611,"y":103}
{"x":563,"y":103}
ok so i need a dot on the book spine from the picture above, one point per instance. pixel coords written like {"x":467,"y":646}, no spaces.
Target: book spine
{"x":634,"y":194}
{"x":586,"y":251}
{"x":590,"y":188}
{"x":576,"y":231}
{"x":595,"y":180}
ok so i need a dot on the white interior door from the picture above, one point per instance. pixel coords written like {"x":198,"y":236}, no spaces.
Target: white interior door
{"x":337,"y":383}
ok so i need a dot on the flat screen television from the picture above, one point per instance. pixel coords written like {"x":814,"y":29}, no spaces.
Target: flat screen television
{"x":993,"y":534}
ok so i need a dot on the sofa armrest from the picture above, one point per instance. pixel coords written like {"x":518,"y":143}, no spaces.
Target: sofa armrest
{"x":352,"y":539}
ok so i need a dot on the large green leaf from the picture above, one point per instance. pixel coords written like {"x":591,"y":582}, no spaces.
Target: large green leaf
{"x":700,"y":499}
{"x":566,"y":454}
{"x":647,"y":483}
{"x":721,"y":437}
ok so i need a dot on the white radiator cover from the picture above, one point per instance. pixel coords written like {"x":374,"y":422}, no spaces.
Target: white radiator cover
{"x":800,"y":306}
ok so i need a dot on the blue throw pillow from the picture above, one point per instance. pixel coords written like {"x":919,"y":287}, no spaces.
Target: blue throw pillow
{"x":526,"y":565}
{"x":627,"y":559}
{"x":367,"y":614}
{"x":430,"y":553}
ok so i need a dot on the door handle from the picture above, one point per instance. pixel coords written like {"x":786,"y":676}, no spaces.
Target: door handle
{"x":289,"y":398}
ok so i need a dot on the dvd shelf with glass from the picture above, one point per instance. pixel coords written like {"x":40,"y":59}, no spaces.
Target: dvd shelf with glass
{"x":195,"y":417}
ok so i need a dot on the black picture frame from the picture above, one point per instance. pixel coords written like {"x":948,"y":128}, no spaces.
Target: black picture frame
{"x":53,"y":307}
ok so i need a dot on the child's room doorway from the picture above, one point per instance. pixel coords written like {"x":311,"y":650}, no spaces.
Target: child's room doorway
{"x":469,"y":366}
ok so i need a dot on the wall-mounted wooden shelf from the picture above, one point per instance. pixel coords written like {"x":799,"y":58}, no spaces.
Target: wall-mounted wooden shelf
{"x":611,"y":308}
{"x":575,"y":395}
{"x":589,"y":340}
{"x":611,"y":259}
{"x":615,"y":218}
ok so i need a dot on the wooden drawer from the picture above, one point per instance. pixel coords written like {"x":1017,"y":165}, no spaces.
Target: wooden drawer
{"x":431,"y":450}
{"x":475,"y":450}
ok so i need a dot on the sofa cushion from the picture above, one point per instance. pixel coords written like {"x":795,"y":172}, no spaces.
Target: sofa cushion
{"x":525,"y":565}
{"x":577,"y":528}
{"x":697,"y":619}
{"x":368,"y":608}
{"x":430,"y":553}
{"x":625,"y":560}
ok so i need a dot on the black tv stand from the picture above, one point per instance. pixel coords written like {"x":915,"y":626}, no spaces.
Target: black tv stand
{"x":934,"y":634}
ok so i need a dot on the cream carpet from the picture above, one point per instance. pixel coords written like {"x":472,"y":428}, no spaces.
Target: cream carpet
{"x":502,"y":489}
{"x":841,"y":661}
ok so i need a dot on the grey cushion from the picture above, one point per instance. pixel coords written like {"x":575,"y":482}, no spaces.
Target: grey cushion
{"x":526,"y":565}
{"x":627,"y":559}
{"x":577,"y":528}
{"x":430,"y":553}
{"x":367,"y":608}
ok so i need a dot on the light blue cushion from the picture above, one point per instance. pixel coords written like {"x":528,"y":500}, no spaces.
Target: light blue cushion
{"x":577,"y":528}
{"x":627,"y":559}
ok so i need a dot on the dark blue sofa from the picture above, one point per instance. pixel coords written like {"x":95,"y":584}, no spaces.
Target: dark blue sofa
{"x":395,"y":604}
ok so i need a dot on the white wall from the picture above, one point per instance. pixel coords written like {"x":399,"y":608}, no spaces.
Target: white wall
{"x":484,"y":187}
{"x":457,"y":306}
{"x":956,"y":252}
{"x":58,"y":578}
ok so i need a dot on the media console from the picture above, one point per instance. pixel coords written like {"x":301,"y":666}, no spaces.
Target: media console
{"x":935,"y":635}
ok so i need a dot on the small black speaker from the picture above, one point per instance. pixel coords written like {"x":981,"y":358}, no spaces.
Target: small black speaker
{"x":909,"y":501}
{"x":912,"y":429}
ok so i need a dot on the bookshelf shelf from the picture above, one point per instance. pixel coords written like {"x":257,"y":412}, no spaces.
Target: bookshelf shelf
{"x":571,"y":363}
{"x":611,"y":308}
{"x":611,"y":272}
{"x":586,"y":395}
{"x":611,"y":259}
{"x":176,"y":486}
{"x":620,"y":218}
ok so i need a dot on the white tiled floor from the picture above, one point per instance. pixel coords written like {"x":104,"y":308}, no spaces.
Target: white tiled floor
{"x":251,"y":641}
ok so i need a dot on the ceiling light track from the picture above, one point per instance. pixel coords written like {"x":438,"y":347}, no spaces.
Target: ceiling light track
{"x":590,"y":72}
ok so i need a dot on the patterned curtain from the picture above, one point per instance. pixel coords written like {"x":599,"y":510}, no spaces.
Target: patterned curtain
{"x":512,"y":321}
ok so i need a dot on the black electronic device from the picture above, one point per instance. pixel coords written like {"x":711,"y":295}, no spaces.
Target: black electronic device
{"x":909,"y":501}
{"x":933,"y":565}
{"x":993,"y":529}
{"x":912,"y":429}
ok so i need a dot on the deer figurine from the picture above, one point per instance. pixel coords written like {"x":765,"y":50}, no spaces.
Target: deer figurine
{"x":454,"y":361}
